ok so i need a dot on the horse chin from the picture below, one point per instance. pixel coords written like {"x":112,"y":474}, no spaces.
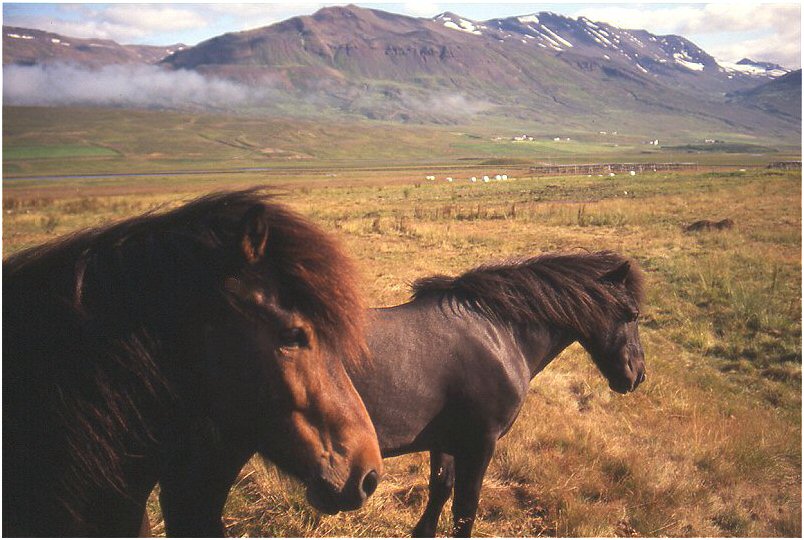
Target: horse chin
{"x":324,"y":498}
{"x":322,"y":503}
{"x":621,"y":386}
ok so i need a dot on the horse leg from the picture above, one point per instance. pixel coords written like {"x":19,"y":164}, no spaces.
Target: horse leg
{"x":442,"y":478}
{"x":192,"y":500}
{"x":470,"y":468}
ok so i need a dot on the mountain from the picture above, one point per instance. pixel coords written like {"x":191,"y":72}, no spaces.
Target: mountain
{"x":24,"y":46}
{"x":542,"y":68}
{"x":780,"y":96}
{"x":768,"y":69}
{"x":673,"y":59}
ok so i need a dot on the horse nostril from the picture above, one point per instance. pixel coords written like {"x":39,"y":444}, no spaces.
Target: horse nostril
{"x":370,"y":482}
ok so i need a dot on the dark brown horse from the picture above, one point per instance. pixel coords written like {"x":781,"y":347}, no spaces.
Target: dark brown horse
{"x":171,"y":347}
{"x":452,"y":367}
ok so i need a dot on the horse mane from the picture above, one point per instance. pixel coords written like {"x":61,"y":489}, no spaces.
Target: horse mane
{"x":561,"y":288}
{"x":72,"y":305}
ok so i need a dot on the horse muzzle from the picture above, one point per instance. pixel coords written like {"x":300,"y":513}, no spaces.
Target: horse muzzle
{"x":630,"y":380}
{"x":328,"y":499}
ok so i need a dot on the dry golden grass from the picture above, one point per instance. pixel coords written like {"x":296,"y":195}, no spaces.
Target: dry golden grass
{"x":709,"y":446}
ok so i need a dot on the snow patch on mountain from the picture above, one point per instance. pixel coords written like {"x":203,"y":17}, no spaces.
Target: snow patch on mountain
{"x":758,"y":69}
{"x":556,"y":36}
{"x":462,"y":25}
{"x":528,"y":19}
{"x":694,"y":66}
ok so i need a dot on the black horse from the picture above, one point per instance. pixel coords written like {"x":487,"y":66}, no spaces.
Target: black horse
{"x":451,"y":368}
{"x":171,"y":347}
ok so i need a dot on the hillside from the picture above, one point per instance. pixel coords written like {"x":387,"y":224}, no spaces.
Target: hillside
{"x":542,"y":67}
{"x":25,"y":46}
{"x":780,"y":96}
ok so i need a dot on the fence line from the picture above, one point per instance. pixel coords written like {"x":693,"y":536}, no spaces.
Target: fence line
{"x":598,"y":168}
{"x":785,"y":165}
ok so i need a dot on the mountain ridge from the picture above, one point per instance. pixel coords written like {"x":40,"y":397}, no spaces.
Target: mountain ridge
{"x":29,"y":46}
{"x":540,"y":67}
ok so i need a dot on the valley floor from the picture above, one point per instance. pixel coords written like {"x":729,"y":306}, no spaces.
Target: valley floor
{"x":710,"y":445}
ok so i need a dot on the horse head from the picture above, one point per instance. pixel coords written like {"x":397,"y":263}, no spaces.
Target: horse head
{"x":275,"y":346}
{"x":614,"y":345}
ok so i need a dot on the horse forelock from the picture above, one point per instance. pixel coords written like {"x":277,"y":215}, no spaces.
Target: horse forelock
{"x":314,"y":274}
{"x":318,"y":280}
{"x":559,"y":288}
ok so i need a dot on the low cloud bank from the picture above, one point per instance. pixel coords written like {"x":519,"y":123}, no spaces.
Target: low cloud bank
{"x":122,"y":86}
{"x":148,"y":86}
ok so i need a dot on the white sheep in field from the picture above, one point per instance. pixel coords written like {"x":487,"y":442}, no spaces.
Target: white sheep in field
{"x":473,"y":179}
{"x":498,"y":177}
{"x":449,"y":179}
{"x":633,"y":173}
{"x":612,"y":174}
{"x":485,"y":178}
{"x":505,"y":177}
{"x":429,"y":177}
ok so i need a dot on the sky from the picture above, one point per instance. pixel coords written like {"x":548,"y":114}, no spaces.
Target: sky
{"x":728,"y":31}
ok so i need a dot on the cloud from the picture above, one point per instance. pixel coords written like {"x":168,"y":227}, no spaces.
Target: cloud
{"x":248,"y":16}
{"x":778,"y":49}
{"x":123,"y":86}
{"x":123,"y":23}
{"x":148,"y":18}
{"x":421,"y":9}
{"x":699,"y":18}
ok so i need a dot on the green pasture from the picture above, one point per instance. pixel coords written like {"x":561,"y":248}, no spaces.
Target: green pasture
{"x":69,"y":141}
{"x":61,"y":151}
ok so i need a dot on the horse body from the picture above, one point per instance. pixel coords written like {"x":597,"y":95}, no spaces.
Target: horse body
{"x":451,"y":372}
{"x":141,"y":351}
{"x":448,"y":364}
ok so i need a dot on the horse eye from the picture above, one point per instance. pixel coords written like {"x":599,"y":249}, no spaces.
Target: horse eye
{"x":633,"y":315}
{"x":293,"y":338}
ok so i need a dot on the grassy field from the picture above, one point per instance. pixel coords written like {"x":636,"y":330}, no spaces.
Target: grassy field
{"x":73,"y":141}
{"x":710,"y":445}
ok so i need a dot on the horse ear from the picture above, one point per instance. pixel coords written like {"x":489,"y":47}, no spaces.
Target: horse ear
{"x":618,"y":275}
{"x":254,"y":230}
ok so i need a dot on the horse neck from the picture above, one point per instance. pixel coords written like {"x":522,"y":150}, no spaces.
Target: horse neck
{"x":541,"y":343}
